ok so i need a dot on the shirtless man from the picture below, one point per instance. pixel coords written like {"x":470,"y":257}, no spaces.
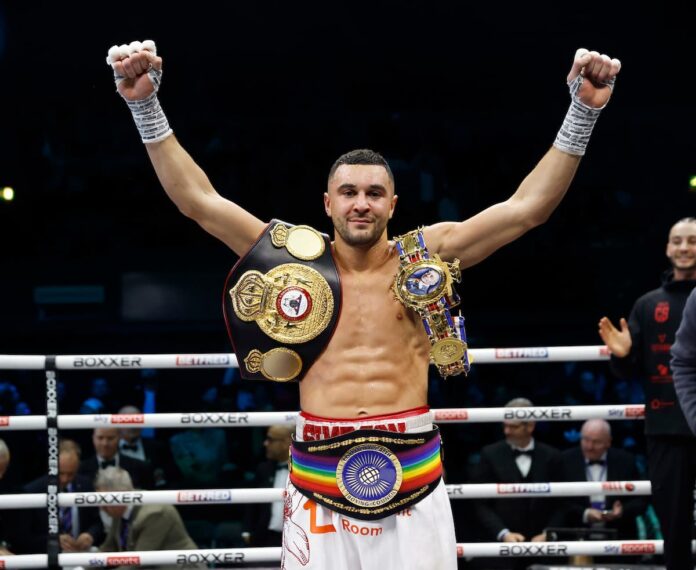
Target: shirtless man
{"x":373,"y":372}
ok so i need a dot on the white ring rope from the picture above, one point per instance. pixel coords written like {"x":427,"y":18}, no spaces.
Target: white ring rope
{"x":225,"y":360}
{"x":261,"y":419}
{"x":269,"y":495}
{"x":272,"y":554}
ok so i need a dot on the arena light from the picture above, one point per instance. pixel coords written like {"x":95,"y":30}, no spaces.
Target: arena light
{"x":7,"y":194}
{"x":692,"y":183}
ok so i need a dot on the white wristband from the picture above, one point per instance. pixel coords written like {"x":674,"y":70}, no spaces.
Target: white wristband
{"x":578,"y":123}
{"x":150,"y":119}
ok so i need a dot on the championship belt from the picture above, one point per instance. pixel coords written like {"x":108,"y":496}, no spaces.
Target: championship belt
{"x":367,"y":474}
{"x":281,"y":302}
{"x":425,"y":284}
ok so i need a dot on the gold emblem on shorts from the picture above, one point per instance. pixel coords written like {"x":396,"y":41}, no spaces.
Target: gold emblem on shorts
{"x":301,"y":242}
{"x":292,"y":303}
{"x":279,"y":364}
{"x":447,"y":351}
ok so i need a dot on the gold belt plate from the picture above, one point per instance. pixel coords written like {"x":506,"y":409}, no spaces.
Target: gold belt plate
{"x":292,"y":303}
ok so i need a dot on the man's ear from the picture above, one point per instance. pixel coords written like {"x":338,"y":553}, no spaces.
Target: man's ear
{"x":327,"y":204}
{"x":394,"y":200}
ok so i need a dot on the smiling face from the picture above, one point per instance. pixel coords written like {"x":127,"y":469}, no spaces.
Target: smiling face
{"x":360,"y":201}
{"x":681,"y":249}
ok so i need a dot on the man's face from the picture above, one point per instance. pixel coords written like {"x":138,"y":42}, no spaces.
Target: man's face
{"x":114,"y":511}
{"x":594,"y":443}
{"x":430,"y":277}
{"x":105,"y":442}
{"x":518,"y":434}
{"x":131,"y":435}
{"x":68,"y":464}
{"x":277,"y":444}
{"x":360,"y":201}
{"x":681,"y":247}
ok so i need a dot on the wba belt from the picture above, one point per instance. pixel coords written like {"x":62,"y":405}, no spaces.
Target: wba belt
{"x":367,"y":474}
{"x":281,"y":302}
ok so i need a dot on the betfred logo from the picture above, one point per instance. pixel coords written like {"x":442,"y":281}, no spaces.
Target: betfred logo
{"x":523,"y":488}
{"x":2,"y":563}
{"x":444,"y":415}
{"x":127,"y":418}
{"x":630,"y":487}
{"x":123,"y":560}
{"x":604,"y":351}
{"x":213,"y":360}
{"x":4,"y":421}
{"x":635,"y":411}
{"x":460,"y":551}
{"x":520,"y":353}
{"x":612,"y":486}
{"x":638,"y":548}
{"x":203,"y":496}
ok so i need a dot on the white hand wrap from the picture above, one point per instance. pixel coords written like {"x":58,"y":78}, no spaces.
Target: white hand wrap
{"x":579,"y":121}
{"x":147,"y":113}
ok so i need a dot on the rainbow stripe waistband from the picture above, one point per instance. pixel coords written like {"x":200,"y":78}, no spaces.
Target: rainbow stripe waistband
{"x":368,"y":474}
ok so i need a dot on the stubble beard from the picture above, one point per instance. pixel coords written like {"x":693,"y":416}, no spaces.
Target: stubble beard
{"x":360,"y":238}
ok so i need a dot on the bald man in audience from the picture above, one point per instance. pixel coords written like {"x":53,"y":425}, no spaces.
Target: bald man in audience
{"x":595,"y":460}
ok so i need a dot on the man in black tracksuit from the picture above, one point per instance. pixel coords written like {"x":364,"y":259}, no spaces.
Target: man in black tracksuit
{"x":642,"y":348}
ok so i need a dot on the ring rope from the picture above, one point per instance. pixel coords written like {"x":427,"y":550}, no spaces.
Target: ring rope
{"x":272,"y":494}
{"x":261,"y":419}
{"x":272,"y":554}
{"x":229,"y":360}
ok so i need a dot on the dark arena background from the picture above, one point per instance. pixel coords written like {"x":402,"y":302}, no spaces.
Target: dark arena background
{"x":462,"y":99}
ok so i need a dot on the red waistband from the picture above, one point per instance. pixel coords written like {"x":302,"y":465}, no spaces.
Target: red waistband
{"x":396,"y":415}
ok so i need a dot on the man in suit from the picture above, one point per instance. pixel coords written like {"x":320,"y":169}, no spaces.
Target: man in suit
{"x":264,"y":523}
{"x":518,"y":458}
{"x":105,"y":441}
{"x":80,"y":528}
{"x":8,"y":484}
{"x":596,"y":460}
{"x":137,"y":528}
{"x":152,"y":451}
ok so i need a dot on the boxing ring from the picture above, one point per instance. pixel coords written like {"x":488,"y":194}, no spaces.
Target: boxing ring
{"x":52,"y":422}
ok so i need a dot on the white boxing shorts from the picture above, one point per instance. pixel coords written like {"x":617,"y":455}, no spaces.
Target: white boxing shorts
{"x":420,"y":537}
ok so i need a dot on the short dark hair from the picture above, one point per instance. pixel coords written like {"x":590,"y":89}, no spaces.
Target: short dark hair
{"x":362,"y":156}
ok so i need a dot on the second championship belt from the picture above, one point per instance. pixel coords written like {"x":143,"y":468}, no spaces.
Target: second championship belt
{"x":425,"y":284}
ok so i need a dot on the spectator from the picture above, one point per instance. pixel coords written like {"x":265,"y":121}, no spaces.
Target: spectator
{"x":80,"y":528}
{"x":518,"y":458}
{"x":264,"y":523}
{"x":595,"y":460}
{"x":138,"y":528}
{"x":152,"y":451}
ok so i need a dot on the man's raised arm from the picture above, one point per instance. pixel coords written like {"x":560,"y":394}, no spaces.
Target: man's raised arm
{"x":138,"y":73}
{"x":590,"y":80}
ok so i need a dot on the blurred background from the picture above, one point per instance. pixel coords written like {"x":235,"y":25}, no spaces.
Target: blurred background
{"x":462,"y":99}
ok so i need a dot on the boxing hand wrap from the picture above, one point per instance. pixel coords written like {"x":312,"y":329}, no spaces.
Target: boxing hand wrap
{"x":579,"y":121}
{"x":150,"y":120}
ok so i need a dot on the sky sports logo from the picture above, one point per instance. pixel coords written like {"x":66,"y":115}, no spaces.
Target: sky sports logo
{"x":127,"y":418}
{"x":639,"y":548}
{"x":444,"y":415}
{"x":123,"y":560}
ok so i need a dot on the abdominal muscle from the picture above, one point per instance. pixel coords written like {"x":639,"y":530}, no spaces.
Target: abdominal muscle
{"x":377,"y":360}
